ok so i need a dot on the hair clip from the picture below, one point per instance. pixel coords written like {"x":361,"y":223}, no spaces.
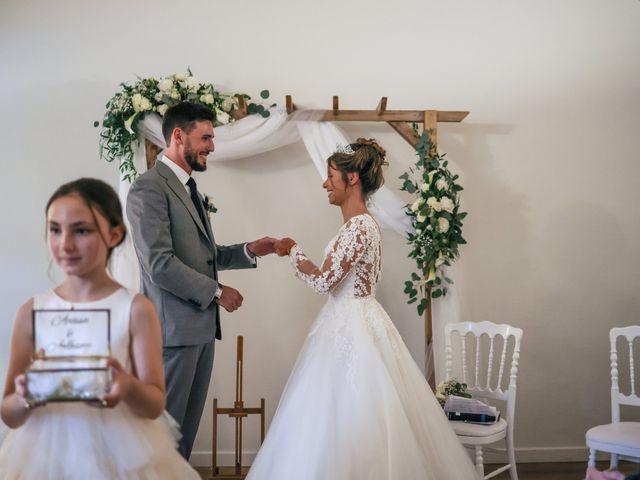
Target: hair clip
{"x":348,"y":150}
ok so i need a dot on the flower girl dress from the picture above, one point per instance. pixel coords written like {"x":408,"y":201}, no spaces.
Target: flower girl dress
{"x":356,"y":406}
{"x":75,"y":441}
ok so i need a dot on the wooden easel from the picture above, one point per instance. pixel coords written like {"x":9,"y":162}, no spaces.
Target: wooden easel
{"x":237,"y":412}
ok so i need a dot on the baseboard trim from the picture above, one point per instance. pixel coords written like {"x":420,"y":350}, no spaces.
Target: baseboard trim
{"x":545,"y":455}
{"x":523,"y":455}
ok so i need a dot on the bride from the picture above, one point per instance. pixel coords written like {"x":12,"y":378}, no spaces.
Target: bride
{"x":356,"y":405}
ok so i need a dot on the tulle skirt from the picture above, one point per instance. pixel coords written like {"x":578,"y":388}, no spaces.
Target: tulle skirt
{"x":357,"y":407}
{"x":73,"y":441}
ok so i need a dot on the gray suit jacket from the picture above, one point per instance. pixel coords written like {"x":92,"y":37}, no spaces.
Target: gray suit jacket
{"x":179,"y":259}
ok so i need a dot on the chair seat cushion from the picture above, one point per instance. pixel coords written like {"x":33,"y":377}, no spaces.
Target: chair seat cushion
{"x":475,"y":430}
{"x":626,"y":434}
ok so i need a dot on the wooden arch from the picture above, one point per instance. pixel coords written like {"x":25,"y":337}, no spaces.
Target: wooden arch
{"x":399,"y":120}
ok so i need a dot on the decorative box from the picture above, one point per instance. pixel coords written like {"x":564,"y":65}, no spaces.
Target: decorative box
{"x":71,"y":349}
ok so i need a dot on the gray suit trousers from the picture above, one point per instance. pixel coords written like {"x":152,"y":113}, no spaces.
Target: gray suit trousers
{"x":188,"y":372}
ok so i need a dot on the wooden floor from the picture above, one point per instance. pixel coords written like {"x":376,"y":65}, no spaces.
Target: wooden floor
{"x":528,"y":471}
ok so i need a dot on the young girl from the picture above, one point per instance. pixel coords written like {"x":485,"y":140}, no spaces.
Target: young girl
{"x":124,"y":435}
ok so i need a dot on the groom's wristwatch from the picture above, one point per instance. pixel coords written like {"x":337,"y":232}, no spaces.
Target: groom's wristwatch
{"x":218,"y":293}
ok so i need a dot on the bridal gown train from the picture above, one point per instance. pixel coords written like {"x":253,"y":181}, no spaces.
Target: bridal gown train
{"x":356,"y":406}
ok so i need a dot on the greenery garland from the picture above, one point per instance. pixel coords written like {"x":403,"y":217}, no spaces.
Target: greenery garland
{"x":436,"y":220}
{"x":148,"y":95}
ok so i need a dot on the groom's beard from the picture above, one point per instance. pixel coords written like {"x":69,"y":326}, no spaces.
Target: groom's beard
{"x":191,"y":157}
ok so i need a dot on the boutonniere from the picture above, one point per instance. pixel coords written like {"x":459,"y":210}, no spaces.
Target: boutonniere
{"x":208,"y":205}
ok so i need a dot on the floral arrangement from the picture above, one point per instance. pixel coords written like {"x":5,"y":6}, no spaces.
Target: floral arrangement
{"x":436,"y":220}
{"x":451,"y":387}
{"x":148,"y":95}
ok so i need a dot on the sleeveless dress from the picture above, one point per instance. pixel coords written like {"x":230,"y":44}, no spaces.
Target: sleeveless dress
{"x":356,"y":405}
{"x":73,"y":441}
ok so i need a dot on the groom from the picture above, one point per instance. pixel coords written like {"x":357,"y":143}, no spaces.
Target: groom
{"x":179,"y":262}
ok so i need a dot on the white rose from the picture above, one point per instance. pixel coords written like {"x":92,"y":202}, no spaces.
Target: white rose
{"x":174,"y":94}
{"x":145,"y":104}
{"x":229,"y":103}
{"x":434,"y":204}
{"x":222,"y":117}
{"x":424,"y":187}
{"x":158,"y":97}
{"x":443,"y":225}
{"x":421,"y":218}
{"x":162,"y":109}
{"x":165,"y":85}
{"x":207,"y":98}
{"x":441,"y":184}
{"x":136,"y":101}
{"x":180,"y":77}
{"x":416,"y":205}
{"x":193,"y":84}
{"x":447,"y":204}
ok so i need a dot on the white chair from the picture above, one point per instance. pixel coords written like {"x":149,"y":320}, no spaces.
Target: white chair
{"x":488,"y":355}
{"x":620,"y":439}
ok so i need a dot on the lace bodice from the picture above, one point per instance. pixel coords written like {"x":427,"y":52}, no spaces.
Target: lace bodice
{"x":352,"y":260}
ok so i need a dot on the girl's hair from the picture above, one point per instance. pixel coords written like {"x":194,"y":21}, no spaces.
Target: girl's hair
{"x":97,"y":195}
{"x":364,"y":157}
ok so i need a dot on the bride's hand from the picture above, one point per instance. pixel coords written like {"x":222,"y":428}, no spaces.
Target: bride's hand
{"x":283,"y":246}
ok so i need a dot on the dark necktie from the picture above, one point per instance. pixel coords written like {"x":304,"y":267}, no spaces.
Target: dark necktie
{"x":191,"y":183}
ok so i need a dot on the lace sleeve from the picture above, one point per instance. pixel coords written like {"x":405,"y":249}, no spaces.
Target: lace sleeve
{"x":345,"y":252}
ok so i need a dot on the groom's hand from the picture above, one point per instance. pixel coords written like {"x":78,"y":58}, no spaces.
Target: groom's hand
{"x":264,"y":246}
{"x":283,"y":246}
{"x":230,"y":299}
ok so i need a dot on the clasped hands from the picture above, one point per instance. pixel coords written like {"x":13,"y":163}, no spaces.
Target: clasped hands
{"x":267,"y":245}
{"x":231,"y":299}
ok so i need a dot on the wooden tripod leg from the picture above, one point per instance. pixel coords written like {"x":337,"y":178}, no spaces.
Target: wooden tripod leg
{"x":214,"y":439}
{"x":238,"y":444}
{"x":262,"y":414}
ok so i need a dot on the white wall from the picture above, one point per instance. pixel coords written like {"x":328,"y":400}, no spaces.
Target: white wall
{"x":548,"y":156}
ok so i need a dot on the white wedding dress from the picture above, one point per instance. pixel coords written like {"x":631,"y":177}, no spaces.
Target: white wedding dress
{"x":356,"y":406}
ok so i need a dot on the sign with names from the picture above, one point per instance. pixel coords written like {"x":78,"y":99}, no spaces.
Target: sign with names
{"x":71,"y":333}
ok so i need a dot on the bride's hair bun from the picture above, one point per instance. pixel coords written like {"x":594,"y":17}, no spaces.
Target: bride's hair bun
{"x":367,"y":159}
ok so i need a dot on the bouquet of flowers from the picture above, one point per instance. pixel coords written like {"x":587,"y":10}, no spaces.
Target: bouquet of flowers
{"x":148,"y":95}
{"x":451,"y":387}
{"x":436,"y":219}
